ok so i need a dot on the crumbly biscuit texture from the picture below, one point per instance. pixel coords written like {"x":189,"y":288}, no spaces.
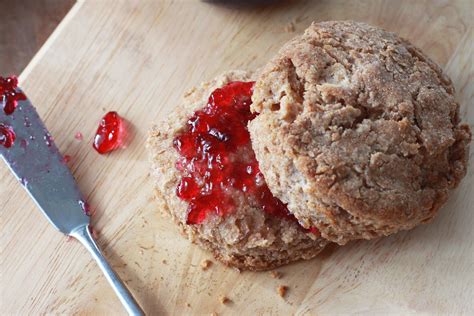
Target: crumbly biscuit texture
{"x":247,"y":238}
{"x":358,"y":131}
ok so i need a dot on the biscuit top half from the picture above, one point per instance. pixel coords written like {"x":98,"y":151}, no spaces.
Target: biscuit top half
{"x":358,"y":131}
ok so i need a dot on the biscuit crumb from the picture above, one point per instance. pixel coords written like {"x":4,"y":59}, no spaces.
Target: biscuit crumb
{"x":276,"y":274}
{"x":282,"y":290}
{"x":289,"y":27}
{"x":225,"y":300}
{"x":206,"y":264}
{"x":188,"y":305}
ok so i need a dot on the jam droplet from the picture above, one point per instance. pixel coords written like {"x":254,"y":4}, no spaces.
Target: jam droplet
{"x":23,"y":144}
{"x":217,"y":158}
{"x":48,"y":139}
{"x":313,"y":230}
{"x":27,"y":122}
{"x":79,"y":136}
{"x":7,"y":136}
{"x":9,"y":96}
{"x":94,"y":232}
{"x":85,"y":207}
{"x":110,"y":133}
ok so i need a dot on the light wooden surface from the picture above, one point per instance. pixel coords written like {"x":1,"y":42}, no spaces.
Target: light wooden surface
{"x":137,"y":57}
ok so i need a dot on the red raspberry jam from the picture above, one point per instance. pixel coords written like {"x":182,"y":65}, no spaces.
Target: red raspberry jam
{"x":9,"y":96}
{"x":66,"y":159}
{"x":7,"y":136}
{"x":216,"y":158}
{"x":110,"y":134}
{"x":79,"y":136}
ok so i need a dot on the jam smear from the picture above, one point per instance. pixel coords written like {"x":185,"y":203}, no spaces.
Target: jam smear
{"x":216,"y":158}
{"x":110,"y":134}
{"x":9,"y":96}
{"x":66,"y":159}
{"x":7,"y":136}
{"x":85,"y":207}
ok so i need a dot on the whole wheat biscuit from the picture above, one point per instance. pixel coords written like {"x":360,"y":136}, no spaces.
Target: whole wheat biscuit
{"x":358,"y":131}
{"x":248,"y":238}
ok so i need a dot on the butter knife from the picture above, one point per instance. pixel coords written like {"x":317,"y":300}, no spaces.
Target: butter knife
{"x":29,"y":151}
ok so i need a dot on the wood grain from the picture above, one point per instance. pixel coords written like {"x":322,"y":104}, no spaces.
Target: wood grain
{"x":138,"y":58}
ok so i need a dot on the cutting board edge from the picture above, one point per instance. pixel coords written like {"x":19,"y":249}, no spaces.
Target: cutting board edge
{"x":54,"y":35}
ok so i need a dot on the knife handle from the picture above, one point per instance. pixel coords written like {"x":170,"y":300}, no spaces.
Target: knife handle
{"x":83,"y":234}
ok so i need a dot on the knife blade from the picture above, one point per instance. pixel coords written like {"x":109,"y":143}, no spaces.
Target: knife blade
{"x":37,"y":163}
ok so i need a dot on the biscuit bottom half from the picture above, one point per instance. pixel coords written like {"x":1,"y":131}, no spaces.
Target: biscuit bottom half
{"x":208,"y":180}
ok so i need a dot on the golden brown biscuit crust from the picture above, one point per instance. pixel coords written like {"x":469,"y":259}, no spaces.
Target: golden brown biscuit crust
{"x":358,"y":131}
{"x":247,"y":239}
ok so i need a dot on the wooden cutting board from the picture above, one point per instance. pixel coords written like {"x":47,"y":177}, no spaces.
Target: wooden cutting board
{"x":138,"y":57}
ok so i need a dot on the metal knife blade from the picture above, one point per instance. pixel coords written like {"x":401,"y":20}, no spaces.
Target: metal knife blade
{"x":36,"y":162}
